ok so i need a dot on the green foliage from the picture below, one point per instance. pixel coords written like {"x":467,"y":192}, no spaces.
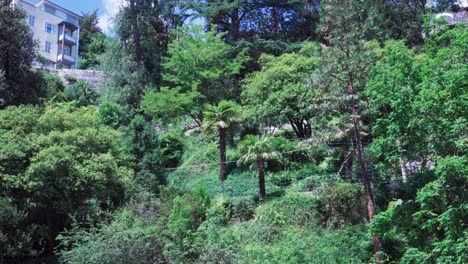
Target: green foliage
{"x":144,"y":144}
{"x":172,"y":147}
{"x":52,"y":161}
{"x":55,"y":87}
{"x":17,"y":237}
{"x":18,"y":83}
{"x":81,"y":93}
{"x":280,"y":92}
{"x":187,"y":214}
{"x":281,"y":232}
{"x":432,"y":225}
{"x":291,"y":210}
{"x":200,"y":67}
{"x":112,"y":114}
{"x":310,"y":246}
{"x":169,"y":105}
{"x":221,"y":116}
{"x":92,"y":40}
{"x":421,"y":97}
{"x":125,"y":85}
{"x":342,"y":204}
{"x":94,"y":49}
{"x":255,"y":148}
{"x":126,"y":239}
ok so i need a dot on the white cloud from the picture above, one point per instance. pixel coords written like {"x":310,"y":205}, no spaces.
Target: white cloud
{"x":110,"y":10}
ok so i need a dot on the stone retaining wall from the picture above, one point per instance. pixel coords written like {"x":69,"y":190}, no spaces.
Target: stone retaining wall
{"x":94,"y":78}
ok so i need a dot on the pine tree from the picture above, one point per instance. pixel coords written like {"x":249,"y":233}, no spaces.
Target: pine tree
{"x":346,"y":26}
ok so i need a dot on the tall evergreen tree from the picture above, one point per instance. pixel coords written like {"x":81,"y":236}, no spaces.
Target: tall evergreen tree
{"x":92,"y":40}
{"x":134,"y":59}
{"x":346,"y":26}
{"x":20,"y":85}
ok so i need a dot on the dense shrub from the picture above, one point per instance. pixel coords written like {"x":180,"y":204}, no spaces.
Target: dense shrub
{"x":432,"y":226}
{"x":293,"y":209}
{"x":112,"y":114}
{"x":55,"y":87}
{"x":144,"y":144}
{"x":172,"y":147}
{"x":126,"y":239}
{"x":81,"y":92}
{"x":311,"y":246}
{"x":342,"y":204}
{"x":188,"y":213}
{"x":17,"y":236}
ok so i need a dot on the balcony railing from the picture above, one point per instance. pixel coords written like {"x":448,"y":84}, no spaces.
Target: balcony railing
{"x":69,"y":40}
{"x":66,"y":59}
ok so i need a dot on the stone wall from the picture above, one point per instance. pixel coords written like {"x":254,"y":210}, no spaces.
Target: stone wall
{"x":94,"y":78}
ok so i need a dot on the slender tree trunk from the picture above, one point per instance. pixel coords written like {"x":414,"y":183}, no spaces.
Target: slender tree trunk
{"x":261,"y":179}
{"x":136,"y":32}
{"x":235,"y":25}
{"x":348,"y":161}
{"x":360,"y":149}
{"x":274,"y":20}
{"x":222,"y":155}
{"x":231,"y":138}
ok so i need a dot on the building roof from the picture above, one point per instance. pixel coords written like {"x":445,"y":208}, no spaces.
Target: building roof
{"x":37,"y":4}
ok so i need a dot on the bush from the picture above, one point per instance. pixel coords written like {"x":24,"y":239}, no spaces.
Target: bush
{"x":172,"y":147}
{"x":295,"y":245}
{"x":112,"y":114}
{"x":229,"y":210}
{"x":188,"y":213}
{"x":433,"y":224}
{"x":293,"y":209}
{"x":342,"y":204}
{"x":126,"y":239}
{"x":55,"y":87}
{"x":81,"y":93}
{"x":17,"y":237}
{"x":143,"y":141}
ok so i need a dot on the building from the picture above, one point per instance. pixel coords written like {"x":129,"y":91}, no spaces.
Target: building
{"x":56,"y":30}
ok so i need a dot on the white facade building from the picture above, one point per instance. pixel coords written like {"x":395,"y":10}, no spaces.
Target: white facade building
{"x":56,"y":30}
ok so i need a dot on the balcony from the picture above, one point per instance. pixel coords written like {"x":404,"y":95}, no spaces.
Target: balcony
{"x":69,"y":40}
{"x":66,"y":59}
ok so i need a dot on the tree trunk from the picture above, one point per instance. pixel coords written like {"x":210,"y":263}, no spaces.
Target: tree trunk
{"x":261,"y":179}
{"x":347,"y":157}
{"x":274,"y":20}
{"x":231,"y":138}
{"x":360,"y":149}
{"x":136,"y":32}
{"x":222,"y":155}
{"x":301,"y":128}
{"x":235,"y":25}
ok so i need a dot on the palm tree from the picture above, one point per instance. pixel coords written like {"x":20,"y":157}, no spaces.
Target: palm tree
{"x":258,"y":150}
{"x":221,"y":118}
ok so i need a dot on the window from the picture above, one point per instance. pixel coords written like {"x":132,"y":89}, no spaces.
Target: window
{"x":49,"y":28}
{"x":48,"y":46}
{"x":32,"y":20}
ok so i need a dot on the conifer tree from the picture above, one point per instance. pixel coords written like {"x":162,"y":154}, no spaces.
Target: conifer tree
{"x":346,"y":26}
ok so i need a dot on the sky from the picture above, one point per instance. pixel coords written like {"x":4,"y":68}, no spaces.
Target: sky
{"x":107,"y":9}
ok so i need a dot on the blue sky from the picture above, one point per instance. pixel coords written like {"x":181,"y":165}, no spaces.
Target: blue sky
{"x":77,"y":6}
{"x":107,"y":9}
